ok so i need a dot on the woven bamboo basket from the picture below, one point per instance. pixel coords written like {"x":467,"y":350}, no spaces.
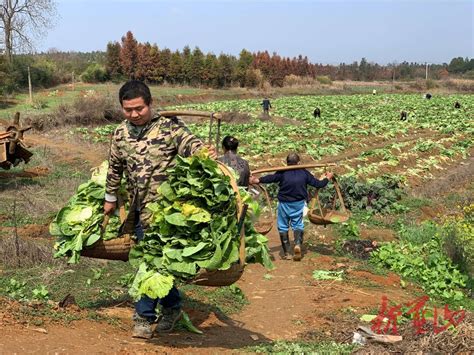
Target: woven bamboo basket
{"x":112,"y":249}
{"x":119,"y":248}
{"x":321,"y":216}
{"x":265,"y":223}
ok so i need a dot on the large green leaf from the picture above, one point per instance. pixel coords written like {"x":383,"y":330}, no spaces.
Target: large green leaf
{"x":183,"y":268}
{"x":166,"y":190}
{"x":92,"y":239}
{"x":194,"y":250}
{"x":176,"y":219}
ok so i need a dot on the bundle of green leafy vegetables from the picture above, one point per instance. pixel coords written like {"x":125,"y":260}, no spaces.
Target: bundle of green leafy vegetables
{"x":79,"y":223}
{"x":194,"y":227}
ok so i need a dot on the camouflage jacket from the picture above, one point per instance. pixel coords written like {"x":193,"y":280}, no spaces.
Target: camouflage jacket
{"x":143,"y":156}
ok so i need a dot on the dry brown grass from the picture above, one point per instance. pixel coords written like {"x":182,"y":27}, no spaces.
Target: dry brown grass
{"x":84,"y":111}
{"x":20,"y":252}
{"x":347,"y":87}
{"x":298,"y":81}
{"x":458,"y":85}
{"x":459,"y":341}
{"x":38,"y":202}
{"x":35,"y":200}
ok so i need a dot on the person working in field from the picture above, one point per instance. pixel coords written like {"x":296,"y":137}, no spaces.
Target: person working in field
{"x":317,"y":112}
{"x":232,"y":159}
{"x":143,"y":147}
{"x":292,"y":195}
{"x":266,"y":106}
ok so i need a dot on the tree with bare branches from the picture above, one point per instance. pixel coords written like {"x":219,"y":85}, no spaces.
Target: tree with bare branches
{"x":22,"y":21}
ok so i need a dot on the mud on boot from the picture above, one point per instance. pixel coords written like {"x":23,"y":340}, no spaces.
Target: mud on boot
{"x":169,"y":318}
{"x":298,"y":250}
{"x":285,"y":245}
{"x":142,"y":328}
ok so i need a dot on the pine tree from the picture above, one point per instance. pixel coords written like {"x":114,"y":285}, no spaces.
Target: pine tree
{"x":243,"y":65}
{"x":263,"y":62}
{"x":159,"y":63}
{"x":197,"y":67}
{"x":128,"y":55}
{"x":225,"y":70}
{"x":112,"y":60}
{"x":210,"y":70}
{"x":187,"y":65}
{"x":144,"y":66}
{"x":175,"y":72}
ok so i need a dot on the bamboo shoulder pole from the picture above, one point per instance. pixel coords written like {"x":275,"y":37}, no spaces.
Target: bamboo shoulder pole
{"x":190,"y":113}
{"x":291,"y":167}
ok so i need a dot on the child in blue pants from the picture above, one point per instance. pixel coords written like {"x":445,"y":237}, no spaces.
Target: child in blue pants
{"x":292,"y":196}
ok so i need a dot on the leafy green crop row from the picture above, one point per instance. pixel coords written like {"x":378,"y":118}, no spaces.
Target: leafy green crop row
{"x":379,"y":195}
{"x":425,"y":263}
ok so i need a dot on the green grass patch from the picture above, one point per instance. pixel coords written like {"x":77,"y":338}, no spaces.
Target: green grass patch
{"x":93,"y":284}
{"x":418,"y":234}
{"x":466,"y":303}
{"x":225,"y":300}
{"x":375,"y":269}
{"x":414,"y":203}
{"x":39,"y":314}
{"x":455,"y":199}
{"x":369,"y":220}
{"x":300,"y":347}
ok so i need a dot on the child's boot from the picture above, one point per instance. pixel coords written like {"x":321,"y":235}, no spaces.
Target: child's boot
{"x":297,"y":251}
{"x":285,"y":244}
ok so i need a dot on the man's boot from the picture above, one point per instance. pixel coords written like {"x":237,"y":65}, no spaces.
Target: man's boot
{"x":142,"y":328}
{"x":285,"y":244}
{"x":169,"y":318}
{"x":297,"y":251}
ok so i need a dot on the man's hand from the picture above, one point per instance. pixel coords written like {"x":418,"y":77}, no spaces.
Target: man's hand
{"x":109,"y":207}
{"x":327,"y":175}
{"x":212,"y":151}
{"x":253,"y":180}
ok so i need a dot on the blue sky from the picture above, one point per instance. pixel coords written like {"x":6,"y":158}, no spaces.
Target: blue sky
{"x":327,"y":32}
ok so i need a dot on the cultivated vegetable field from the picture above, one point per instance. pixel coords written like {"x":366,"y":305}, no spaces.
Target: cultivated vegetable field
{"x":362,"y":132}
{"x":365,"y":127}
{"x":408,"y":185}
